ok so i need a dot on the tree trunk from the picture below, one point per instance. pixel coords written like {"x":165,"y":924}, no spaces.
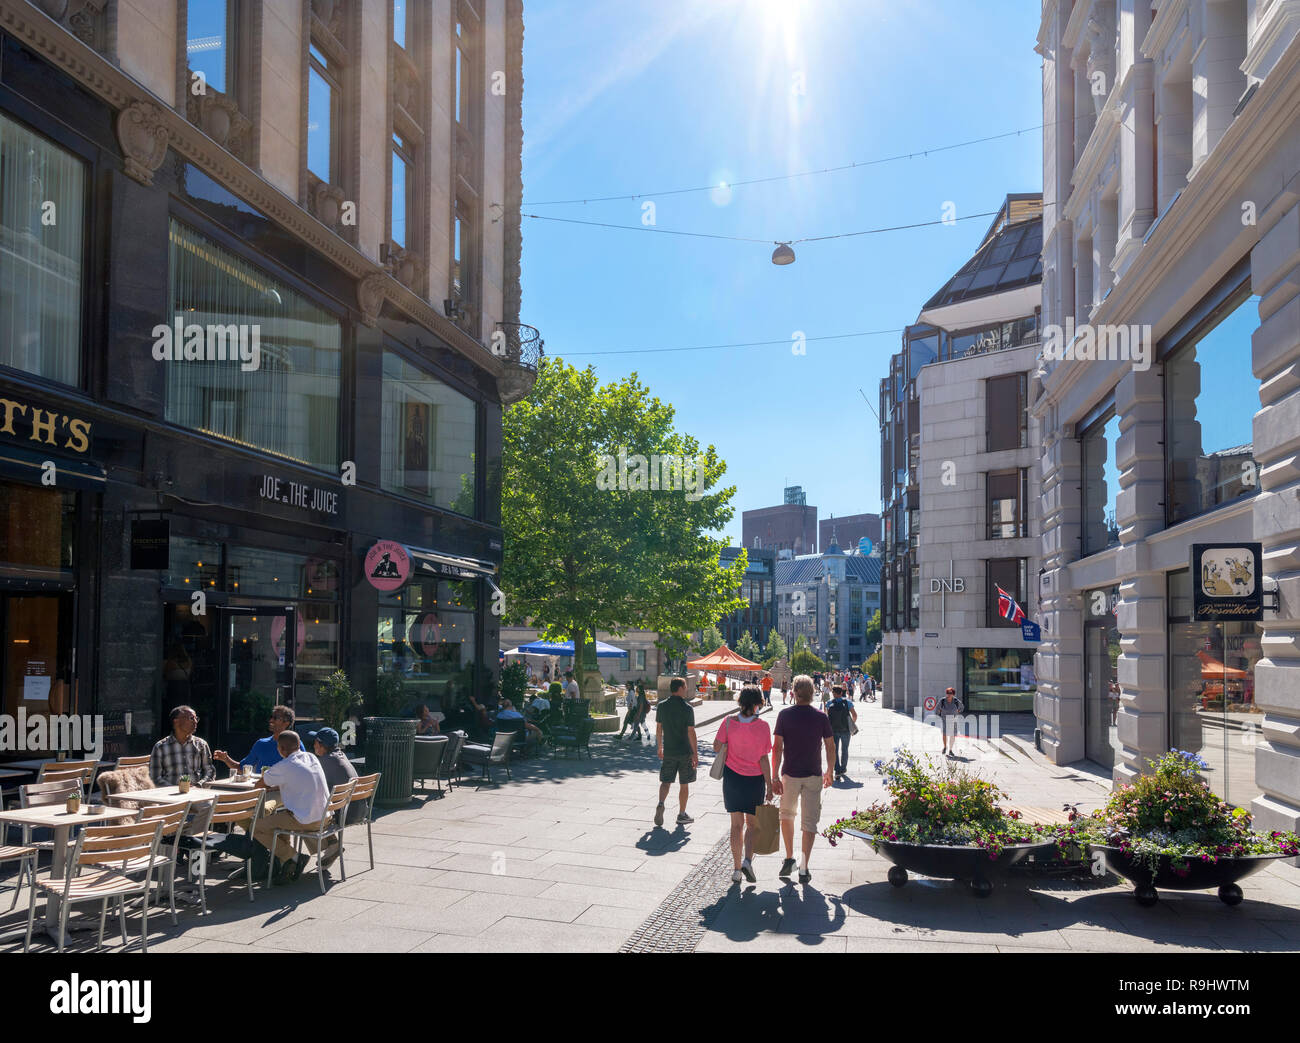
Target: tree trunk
{"x":579,"y":645}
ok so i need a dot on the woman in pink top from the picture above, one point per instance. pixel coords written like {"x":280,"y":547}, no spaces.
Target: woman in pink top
{"x":746,"y":777}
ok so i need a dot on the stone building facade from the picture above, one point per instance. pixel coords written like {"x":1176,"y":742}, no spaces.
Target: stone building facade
{"x":1171,"y":173}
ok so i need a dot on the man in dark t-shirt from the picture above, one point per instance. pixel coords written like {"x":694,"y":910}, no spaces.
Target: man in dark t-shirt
{"x":801,"y":732}
{"x":678,"y":751}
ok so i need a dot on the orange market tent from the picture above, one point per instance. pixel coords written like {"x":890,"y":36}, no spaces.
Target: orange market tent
{"x":1213,"y":670}
{"x":724,"y":661}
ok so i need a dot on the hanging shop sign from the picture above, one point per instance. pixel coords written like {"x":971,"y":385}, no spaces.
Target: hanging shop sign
{"x":1227,"y":582}
{"x":387,"y":565}
{"x":150,"y":543}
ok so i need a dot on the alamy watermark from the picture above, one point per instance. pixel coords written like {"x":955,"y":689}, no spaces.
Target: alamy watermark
{"x":49,"y":733}
{"x":1102,"y":343}
{"x":658,"y":472}
{"x":233,"y":342}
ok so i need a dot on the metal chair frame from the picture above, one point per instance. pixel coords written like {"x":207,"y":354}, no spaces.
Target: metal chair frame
{"x":330,"y":825}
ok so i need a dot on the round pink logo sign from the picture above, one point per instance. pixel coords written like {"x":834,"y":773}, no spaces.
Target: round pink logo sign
{"x":426,"y":635}
{"x":277,"y":635}
{"x":387,"y":565}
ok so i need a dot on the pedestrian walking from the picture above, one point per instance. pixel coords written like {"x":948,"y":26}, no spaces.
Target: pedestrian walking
{"x":642,"y":712}
{"x":746,"y":778}
{"x":785,"y":692}
{"x":949,"y":709}
{"x":679,"y":753}
{"x":801,"y":734}
{"x":629,"y":703}
{"x":767,"y":689}
{"x":843,"y":718}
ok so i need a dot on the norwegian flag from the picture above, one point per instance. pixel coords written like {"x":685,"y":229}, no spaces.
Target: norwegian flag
{"x":1008,"y":609}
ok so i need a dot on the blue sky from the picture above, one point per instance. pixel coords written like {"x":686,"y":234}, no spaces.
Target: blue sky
{"x":633,"y":97}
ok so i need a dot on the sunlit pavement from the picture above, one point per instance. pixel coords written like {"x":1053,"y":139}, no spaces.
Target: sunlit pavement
{"x":565,"y":857}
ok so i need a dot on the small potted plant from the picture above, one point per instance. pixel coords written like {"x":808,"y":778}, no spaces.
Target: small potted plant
{"x":1169,"y":829}
{"x":183,"y":783}
{"x":943,"y":822}
{"x":74,"y":803}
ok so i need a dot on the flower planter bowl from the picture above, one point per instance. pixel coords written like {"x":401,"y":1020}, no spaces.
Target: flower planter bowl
{"x":1200,"y":876}
{"x":949,"y":862}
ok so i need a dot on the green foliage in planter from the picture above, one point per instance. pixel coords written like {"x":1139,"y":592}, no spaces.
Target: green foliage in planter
{"x":1173,"y":813}
{"x":333,"y":698}
{"x":514,"y":682}
{"x":389,"y":700}
{"x":948,"y":805}
{"x":554,"y":691}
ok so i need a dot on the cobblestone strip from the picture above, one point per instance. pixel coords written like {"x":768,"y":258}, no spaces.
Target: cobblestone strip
{"x":682,"y":918}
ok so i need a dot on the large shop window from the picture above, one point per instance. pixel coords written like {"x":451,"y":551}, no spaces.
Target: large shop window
{"x":1011,"y":574}
{"x":1211,"y":397}
{"x":1101,"y":691}
{"x":428,"y":438}
{"x":1006,"y":420}
{"x":42,"y":228}
{"x":998,"y":680}
{"x":289,"y":404}
{"x":37,"y":538}
{"x":1100,"y":485}
{"x":427,"y":647}
{"x":1212,"y":707}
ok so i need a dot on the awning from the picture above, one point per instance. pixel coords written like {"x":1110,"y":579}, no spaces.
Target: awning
{"x":453,"y":566}
{"x":29,"y":466}
{"x":561,"y":648}
{"x":985,"y":311}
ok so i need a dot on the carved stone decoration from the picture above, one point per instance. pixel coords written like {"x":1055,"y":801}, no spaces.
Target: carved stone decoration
{"x":1101,"y":54}
{"x":326,"y":203}
{"x":330,"y":14}
{"x":372,"y":291}
{"x":515,"y":383}
{"x":86,"y":20}
{"x":220,"y":119}
{"x":56,"y":9}
{"x":406,"y":266}
{"x":143,"y":137}
{"x":404,"y":83}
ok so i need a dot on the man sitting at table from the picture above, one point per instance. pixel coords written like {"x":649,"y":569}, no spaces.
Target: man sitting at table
{"x":338,"y":770}
{"x":304,"y":794}
{"x":508,"y":714}
{"x":182,"y":752}
{"x":265,"y":752}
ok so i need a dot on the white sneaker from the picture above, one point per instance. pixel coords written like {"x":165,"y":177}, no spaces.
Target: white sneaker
{"x":735,"y":876}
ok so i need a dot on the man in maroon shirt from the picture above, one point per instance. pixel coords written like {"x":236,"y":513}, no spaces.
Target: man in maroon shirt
{"x":802,"y":732}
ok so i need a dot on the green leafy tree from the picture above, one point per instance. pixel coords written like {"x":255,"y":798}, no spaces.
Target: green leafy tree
{"x":581,"y":553}
{"x":805,"y":662}
{"x":800,"y":645}
{"x":748,"y":647}
{"x":872,"y":665}
{"x":873,"y":630}
{"x":776,"y":649}
{"x":710,"y":640}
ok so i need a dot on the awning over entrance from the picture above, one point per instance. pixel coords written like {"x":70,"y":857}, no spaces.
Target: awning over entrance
{"x":451,"y":566}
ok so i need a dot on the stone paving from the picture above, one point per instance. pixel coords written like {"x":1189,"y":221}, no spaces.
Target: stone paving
{"x":565,"y":858}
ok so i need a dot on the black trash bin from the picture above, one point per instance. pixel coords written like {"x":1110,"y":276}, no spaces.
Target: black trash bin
{"x":390,"y":748}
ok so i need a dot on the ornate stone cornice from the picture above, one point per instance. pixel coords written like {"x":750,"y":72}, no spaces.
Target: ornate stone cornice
{"x":60,"y":48}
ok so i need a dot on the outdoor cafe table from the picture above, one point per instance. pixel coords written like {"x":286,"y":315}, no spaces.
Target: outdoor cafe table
{"x":37,"y":763}
{"x":8,"y":773}
{"x":166,"y":795}
{"x":57,"y":818}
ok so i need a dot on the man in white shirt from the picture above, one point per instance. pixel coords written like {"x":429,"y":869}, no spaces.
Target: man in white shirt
{"x":570,"y":686}
{"x":304,"y":794}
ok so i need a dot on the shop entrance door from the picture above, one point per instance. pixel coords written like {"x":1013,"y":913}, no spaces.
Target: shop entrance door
{"x":36,"y":669}
{"x":260,"y":667}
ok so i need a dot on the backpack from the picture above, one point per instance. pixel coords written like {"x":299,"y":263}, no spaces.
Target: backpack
{"x":838,"y":712}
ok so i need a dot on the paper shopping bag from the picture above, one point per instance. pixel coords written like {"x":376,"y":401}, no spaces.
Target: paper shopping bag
{"x":767,"y":837}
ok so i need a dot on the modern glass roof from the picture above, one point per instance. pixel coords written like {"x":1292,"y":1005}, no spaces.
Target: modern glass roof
{"x":1010,"y":255}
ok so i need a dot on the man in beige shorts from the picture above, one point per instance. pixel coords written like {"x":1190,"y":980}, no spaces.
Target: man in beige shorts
{"x":802,"y":732}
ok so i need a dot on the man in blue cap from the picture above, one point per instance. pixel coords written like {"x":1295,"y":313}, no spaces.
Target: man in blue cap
{"x":338,"y":770}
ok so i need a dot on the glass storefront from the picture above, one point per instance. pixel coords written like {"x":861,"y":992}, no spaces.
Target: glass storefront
{"x":1101,"y":692}
{"x":998,"y":680}
{"x":1212,"y":694}
{"x":1100,"y":485}
{"x":233,"y":662}
{"x":427,"y":643}
{"x":37,"y":626}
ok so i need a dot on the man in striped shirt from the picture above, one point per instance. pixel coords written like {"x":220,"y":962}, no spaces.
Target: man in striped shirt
{"x":182,"y":752}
